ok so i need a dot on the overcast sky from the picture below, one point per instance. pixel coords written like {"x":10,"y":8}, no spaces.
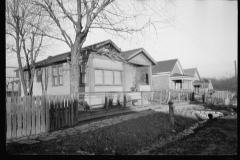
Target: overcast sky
{"x":203,"y":35}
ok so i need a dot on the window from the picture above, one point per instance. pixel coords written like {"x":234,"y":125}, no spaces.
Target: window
{"x":117,"y":77}
{"x":108,"y":77}
{"x":57,"y":75}
{"x":39,"y":75}
{"x":98,"y":76}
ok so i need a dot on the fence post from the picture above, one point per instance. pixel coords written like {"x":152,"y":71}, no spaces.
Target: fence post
{"x":142,"y":99}
{"x":171,"y":111}
{"x":124,"y":100}
{"x":106,"y":101}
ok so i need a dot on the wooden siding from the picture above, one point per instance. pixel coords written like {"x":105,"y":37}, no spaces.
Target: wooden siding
{"x":140,"y":59}
{"x":176,"y":69}
{"x":56,"y":90}
{"x":160,"y":82}
{"x":196,"y":77}
{"x":108,"y":64}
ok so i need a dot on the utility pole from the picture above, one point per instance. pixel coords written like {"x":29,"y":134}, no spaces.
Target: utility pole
{"x":236,"y":74}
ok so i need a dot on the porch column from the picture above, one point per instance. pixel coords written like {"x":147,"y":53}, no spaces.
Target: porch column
{"x":91,"y":74}
{"x":150,"y":76}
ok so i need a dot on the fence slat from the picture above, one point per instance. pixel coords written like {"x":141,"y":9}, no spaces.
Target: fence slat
{"x":47,"y":114}
{"x":9,"y":118}
{"x":33,"y":115}
{"x":29,"y":116}
{"x":52,"y":118}
{"x":69,"y":110}
{"x":24,"y":130}
{"x":38,"y":129}
{"x":60,"y":111}
{"x":14,"y":117}
{"x":19,"y":117}
{"x":57,"y":112}
{"x":65,"y":110}
{"x":43,"y":108}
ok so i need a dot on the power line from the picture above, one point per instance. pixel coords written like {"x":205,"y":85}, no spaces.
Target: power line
{"x":187,"y":30}
{"x":191,"y":38}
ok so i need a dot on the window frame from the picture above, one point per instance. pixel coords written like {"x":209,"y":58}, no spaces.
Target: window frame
{"x":37,"y":76}
{"x":57,"y":76}
{"x":113,"y":70}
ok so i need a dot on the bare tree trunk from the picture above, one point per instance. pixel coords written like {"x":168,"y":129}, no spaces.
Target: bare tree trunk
{"x":74,"y":72}
{"x":20,"y":66}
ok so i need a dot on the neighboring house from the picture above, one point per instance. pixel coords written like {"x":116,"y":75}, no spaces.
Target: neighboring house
{"x":170,"y":75}
{"x":12,"y":80}
{"x":198,"y":83}
{"x":98,"y":72}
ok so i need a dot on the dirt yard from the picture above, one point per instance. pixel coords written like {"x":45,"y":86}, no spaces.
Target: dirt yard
{"x":217,"y":137}
{"x":124,"y":138}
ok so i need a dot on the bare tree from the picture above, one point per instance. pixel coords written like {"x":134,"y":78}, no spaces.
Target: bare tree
{"x":83,"y":15}
{"x":24,"y":22}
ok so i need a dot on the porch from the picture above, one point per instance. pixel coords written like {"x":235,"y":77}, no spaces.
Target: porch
{"x":178,"y":81}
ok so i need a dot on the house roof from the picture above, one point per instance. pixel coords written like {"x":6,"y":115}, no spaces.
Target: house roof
{"x":64,"y":56}
{"x":127,"y":55}
{"x":191,"y":72}
{"x":164,"y":66}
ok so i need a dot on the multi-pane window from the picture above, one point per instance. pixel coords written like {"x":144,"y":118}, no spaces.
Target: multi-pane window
{"x":57,"y":75}
{"x":98,"y":76}
{"x":117,"y":77}
{"x":39,"y":75}
{"x":108,"y":77}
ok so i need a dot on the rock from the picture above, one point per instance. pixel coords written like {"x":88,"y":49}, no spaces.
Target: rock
{"x":173,"y":131}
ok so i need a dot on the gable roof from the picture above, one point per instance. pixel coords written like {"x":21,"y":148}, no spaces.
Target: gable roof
{"x":164,"y":66}
{"x":127,"y":55}
{"x":191,"y":72}
{"x":63,"y":57}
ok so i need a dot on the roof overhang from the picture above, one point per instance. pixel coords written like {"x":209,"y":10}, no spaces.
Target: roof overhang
{"x":141,"y":50}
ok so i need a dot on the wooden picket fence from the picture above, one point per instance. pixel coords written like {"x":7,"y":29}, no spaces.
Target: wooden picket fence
{"x":33,"y":115}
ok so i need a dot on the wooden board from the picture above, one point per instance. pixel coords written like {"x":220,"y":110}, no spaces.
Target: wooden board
{"x":51,"y":113}
{"x":43,"y":108}
{"x":19,"y":117}
{"x":24,"y":130}
{"x":14,"y":118}
{"x":47,"y":114}
{"x":65,"y":110}
{"x":60,"y":111}
{"x":69,"y":110}
{"x":9,"y":118}
{"x":38,"y":129}
{"x":29,"y":116}
{"x":33,"y":115}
